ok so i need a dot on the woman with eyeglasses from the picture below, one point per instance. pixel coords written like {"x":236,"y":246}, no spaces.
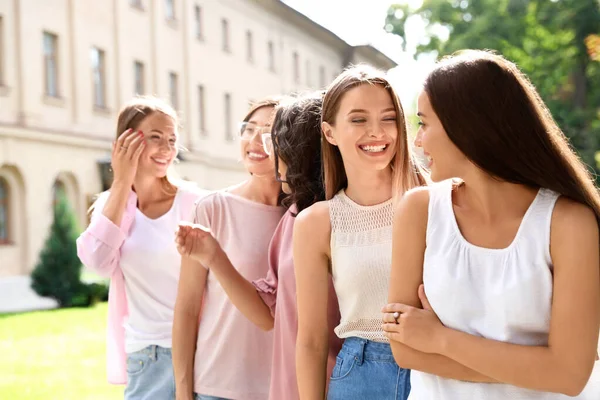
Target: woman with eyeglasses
{"x":270,"y":303}
{"x":219,"y":354}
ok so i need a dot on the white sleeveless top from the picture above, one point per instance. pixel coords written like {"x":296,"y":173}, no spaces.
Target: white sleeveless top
{"x":361,"y":258}
{"x":500,"y":294}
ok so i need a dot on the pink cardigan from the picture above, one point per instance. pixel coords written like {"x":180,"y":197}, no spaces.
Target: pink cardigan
{"x":98,"y":248}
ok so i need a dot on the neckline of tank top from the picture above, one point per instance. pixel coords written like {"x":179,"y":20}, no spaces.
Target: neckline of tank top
{"x":448,"y":204}
{"x":343,"y":195}
{"x":265,"y":207}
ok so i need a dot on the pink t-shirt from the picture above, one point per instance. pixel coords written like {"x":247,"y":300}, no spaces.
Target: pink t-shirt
{"x":278,"y":290}
{"x":233,"y":356}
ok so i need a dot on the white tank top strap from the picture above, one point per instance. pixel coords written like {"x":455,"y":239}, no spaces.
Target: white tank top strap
{"x":439,"y":216}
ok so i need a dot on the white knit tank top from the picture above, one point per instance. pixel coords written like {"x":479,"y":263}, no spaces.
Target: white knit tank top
{"x":500,"y":294}
{"x":361,"y":257}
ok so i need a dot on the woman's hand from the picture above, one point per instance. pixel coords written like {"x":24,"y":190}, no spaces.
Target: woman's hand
{"x":126,"y":153}
{"x":197,"y":242}
{"x":415,"y":327}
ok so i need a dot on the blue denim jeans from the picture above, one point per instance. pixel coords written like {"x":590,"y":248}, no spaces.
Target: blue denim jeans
{"x":367,"y":370}
{"x":150,"y":374}
{"x":204,"y":397}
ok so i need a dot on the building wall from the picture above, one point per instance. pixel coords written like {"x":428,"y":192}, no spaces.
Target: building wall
{"x":48,"y":138}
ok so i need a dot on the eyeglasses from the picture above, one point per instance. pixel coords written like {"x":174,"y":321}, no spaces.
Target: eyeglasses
{"x":249,"y":129}
{"x":270,"y":144}
{"x":267,"y":142}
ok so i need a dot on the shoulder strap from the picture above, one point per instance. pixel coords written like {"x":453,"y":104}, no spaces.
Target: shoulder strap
{"x":440,"y":209}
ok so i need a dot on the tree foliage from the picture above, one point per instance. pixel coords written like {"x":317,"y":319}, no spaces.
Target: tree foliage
{"x":548,"y":39}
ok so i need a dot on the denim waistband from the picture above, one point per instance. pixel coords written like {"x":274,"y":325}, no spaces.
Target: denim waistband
{"x":364,"y":349}
{"x":153,"y":351}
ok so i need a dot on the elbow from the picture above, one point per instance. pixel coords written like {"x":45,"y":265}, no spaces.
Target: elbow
{"x":101,"y":263}
{"x":574,"y":383}
{"x":569,"y":379}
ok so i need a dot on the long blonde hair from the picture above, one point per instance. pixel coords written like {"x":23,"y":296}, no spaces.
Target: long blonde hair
{"x":407,"y":173}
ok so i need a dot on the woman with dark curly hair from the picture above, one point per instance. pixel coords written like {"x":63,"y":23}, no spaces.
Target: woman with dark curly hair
{"x":295,"y":145}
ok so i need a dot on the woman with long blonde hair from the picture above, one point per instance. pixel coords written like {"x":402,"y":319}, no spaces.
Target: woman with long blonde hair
{"x":367,"y":164}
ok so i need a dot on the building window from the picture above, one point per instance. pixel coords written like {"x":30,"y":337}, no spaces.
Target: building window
{"x":1,"y":50}
{"x":201,"y":111}
{"x":99,"y":77}
{"x":225,"y":34}
{"x":198,"y":21}
{"x":170,"y":9}
{"x":173,"y":92}
{"x":51,"y":64}
{"x":322,"y":82}
{"x":307,"y":67}
{"x":249,"y":47}
{"x":138,"y":72}
{"x":228,"y":130}
{"x":3,"y":211}
{"x":271,"y":49}
{"x":296,"y":66}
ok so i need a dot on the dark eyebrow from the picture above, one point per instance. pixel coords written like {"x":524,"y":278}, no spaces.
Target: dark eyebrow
{"x":420,"y":114}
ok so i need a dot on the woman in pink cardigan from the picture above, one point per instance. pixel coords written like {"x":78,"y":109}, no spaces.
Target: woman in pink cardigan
{"x":130,"y":241}
{"x":270,"y":303}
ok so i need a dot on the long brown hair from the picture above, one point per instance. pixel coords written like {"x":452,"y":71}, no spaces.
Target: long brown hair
{"x":407,"y":173}
{"x":494,"y":115}
{"x":131,"y":116}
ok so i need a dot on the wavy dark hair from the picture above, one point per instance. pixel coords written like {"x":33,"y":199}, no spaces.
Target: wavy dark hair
{"x":297,"y":142}
{"x":494,"y":115}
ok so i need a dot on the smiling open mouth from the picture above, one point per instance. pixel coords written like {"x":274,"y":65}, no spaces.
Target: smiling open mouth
{"x":374,"y":149}
{"x":257,"y":156}
{"x":161,"y":161}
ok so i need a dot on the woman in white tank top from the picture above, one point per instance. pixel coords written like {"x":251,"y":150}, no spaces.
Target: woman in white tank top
{"x":508,"y":254}
{"x":366,"y":158}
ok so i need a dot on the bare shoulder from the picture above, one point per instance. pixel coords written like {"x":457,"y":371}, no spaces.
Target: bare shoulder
{"x":574,"y":239}
{"x":313,"y":225}
{"x":414,"y":204}
{"x":571,"y":217}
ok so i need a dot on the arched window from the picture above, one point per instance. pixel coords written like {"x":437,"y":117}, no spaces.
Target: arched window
{"x":4,"y":211}
{"x":58,"y":190}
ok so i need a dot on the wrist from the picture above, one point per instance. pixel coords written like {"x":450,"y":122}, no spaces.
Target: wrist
{"x":442,"y":340}
{"x":215,"y":260}
{"x":120,"y":184}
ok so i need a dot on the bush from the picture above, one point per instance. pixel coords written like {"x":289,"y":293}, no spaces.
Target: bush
{"x":57,"y":274}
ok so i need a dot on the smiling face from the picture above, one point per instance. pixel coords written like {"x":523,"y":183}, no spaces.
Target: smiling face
{"x":160,"y":134}
{"x":444,"y":159}
{"x":254,"y":157}
{"x":365,"y":128}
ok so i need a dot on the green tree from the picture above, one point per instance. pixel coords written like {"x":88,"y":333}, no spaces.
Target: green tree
{"x":57,"y":274}
{"x":546,"y":38}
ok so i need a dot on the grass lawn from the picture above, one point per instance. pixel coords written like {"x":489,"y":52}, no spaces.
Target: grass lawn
{"x":55,"y":355}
